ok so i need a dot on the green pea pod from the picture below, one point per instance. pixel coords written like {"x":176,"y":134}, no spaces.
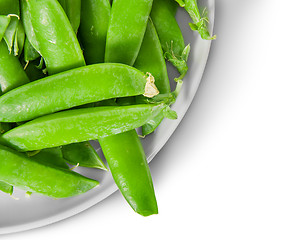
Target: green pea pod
{"x":9,"y":7}
{"x":170,"y":35}
{"x":25,"y":173}
{"x":4,"y":22}
{"x":130,"y":173}
{"x":93,"y":30}
{"x":199,"y":20}
{"x":79,"y":86}
{"x":10,"y":33}
{"x":125,"y":34}
{"x":4,"y":127}
{"x":19,"y":40}
{"x":78,"y":125}
{"x":82,"y":154}
{"x":11,"y":72}
{"x":13,"y":33}
{"x":49,"y":31}
{"x":30,"y":53}
{"x":72,"y":9}
{"x":6,"y":188}
{"x":150,"y":59}
{"x":52,"y":157}
{"x":126,"y":30}
{"x":65,"y":54}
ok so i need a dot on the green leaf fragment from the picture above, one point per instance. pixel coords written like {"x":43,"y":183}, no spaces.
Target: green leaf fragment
{"x":6,"y":188}
{"x":200,"y":20}
{"x":169,"y":113}
{"x":180,"y":62}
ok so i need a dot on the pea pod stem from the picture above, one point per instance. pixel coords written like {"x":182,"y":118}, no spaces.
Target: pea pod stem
{"x":200,"y":20}
{"x":170,"y":35}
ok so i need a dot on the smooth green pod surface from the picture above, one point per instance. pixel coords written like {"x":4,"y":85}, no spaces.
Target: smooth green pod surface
{"x":78,"y":125}
{"x":4,"y":22}
{"x":130,"y":173}
{"x":9,"y":6}
{"x":52,"y":157}
{"x":95,"y":16}
{"x":11,"y":71}
{"x":128,"y":21}
{"x":19,"y":170}
{"x":49,"y":31}
{"x":78,"y":86}
{"x":72,"y":9}
{"x":82,"y":154}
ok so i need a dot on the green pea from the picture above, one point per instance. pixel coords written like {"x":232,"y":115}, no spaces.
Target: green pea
{"x":50,"y":33}
{"x":128,"y":21}
{"x":82,"y":154}
{"x":27,"y":174}
{"x":79,"y":86}
{"x":78,"y":125}
{"x":93,"y":30}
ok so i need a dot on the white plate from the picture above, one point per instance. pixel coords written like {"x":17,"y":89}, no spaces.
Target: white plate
{"x":37,"y":211}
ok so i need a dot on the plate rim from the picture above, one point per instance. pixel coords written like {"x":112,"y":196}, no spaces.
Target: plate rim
{"x":93,"y":201}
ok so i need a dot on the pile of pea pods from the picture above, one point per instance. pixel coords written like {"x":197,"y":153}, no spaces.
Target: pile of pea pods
{"x":72,"y":71}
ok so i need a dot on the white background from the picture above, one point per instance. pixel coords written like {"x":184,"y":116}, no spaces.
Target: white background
{"x":228,"y":170}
